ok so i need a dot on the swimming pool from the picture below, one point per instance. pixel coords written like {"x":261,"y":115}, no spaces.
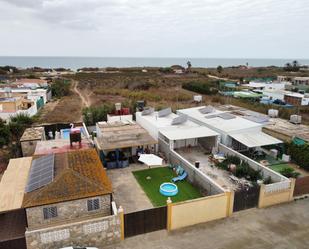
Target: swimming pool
{"x":65,"y":133}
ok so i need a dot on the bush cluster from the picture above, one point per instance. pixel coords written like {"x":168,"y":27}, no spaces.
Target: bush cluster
{"x":202,"y":88}
{"x":300,"y":154}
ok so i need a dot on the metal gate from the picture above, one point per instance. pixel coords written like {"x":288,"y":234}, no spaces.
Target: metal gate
{"x":246,"y":198}
{"x":301,"y":186}
{"x":145,"y":221}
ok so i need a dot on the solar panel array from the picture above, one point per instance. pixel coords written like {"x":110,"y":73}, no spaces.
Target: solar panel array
{"x":41,"y":172}
{"x":147,"y":111}
{"x":164,"y":112}
{"x":179,"y":120}
{"x":206,"y":110}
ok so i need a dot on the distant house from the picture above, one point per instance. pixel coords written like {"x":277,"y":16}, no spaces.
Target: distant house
{"x":300,"y":81}
{"x":11,"y":106}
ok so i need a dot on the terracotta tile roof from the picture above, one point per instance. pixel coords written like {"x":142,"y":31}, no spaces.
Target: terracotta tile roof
{"x":78,"y":175}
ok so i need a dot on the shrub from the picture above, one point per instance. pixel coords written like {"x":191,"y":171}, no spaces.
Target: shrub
{"x":4,"y":133}
{"x":203,"y":88}
{"x":60,"y":88}
{"x":299,"y":154}
{"x":289,"y":172}
{"x":92,"y":115}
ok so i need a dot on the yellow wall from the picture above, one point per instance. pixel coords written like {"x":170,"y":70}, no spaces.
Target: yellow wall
{"x":199,"y":210}
{"x":270,"y":199}
{"x":8,"y":106}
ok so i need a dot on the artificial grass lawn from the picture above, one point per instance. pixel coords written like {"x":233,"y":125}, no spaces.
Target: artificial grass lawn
{"x":279,"y":167}
{"x":158,"y":176}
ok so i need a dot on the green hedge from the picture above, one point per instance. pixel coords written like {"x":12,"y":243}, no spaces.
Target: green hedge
{"x":203,"y":88}
{"x":300,"y":154}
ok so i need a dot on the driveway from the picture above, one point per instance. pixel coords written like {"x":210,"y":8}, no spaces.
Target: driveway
{"x":280,"y":227}
{"x":127,"y":191}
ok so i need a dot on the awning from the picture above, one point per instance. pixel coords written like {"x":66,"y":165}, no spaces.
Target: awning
{"x":175,"y":133}
{"x":150,"y":159}
{"x":256,"y":139}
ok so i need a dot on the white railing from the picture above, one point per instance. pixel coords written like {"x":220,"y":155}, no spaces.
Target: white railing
{"x":277,"y":186}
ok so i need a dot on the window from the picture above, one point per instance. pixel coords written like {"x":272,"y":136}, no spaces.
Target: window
{"x":50,"y":212}
{"x":93,"y":204}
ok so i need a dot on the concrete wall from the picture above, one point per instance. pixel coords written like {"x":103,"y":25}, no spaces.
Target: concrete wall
{"x":97,"y":232}
{"x":200,"y":210}
{"x":69,"y":211}
{"x":28,"y":147}
{"x":195,"y":176}
{"x":267,"y":199}
{"x":266,"y":172}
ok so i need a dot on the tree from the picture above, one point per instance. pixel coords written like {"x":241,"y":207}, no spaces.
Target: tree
{"x":17,"y":126}
{"x":60,"y":88}
{"x":4,"y":133}
{"x":189,"y":66}
{"x":92,"y":115}
{"x":219,"y":69}
{"x":295,"y":66}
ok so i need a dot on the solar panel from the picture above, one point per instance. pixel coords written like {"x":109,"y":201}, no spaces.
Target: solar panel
{"x":147,"y":111}
{"x":257,"y":119}
{"x":164,"y":112}
{"x":226,"y":116}
{"x":211,"y":116}
{"x":179,"y":120}
{"x":41,"y":172}
{"x":206,"y":110}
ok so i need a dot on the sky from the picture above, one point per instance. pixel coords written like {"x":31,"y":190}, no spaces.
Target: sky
{"x":152,"y":28}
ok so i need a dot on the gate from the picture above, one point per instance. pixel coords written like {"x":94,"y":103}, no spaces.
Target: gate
{"x":145,"y":221}
{"x":301,"y":186}
{"x":246,"y":198}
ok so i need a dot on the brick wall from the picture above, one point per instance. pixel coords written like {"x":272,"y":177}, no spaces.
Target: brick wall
{"x":67,"y":211}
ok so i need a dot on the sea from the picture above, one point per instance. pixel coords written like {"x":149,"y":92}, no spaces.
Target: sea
{"x":78,"y":62}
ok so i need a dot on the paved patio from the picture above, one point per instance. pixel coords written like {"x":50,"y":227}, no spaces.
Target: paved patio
{"x":127,"y":191}
{"x":218,"y":175}
{"x":280,"y":227}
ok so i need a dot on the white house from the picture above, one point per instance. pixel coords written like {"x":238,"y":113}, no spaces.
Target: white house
{"x":176,"y":130}
{"x":235,"y":131}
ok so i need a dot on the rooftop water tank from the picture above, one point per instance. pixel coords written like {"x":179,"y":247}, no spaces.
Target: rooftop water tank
{"x":198,"y":98}
{"x":295,"y":119}
{"x":273,"y":113}
{"x":118,"y":107}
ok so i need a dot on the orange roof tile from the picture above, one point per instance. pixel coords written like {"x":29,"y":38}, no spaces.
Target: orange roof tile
{"x":78,"y":175}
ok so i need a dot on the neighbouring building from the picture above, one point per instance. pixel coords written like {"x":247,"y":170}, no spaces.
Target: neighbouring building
{"x":57,"y":200}
{"x":119,"y":143}
{"x":296,"y":99}
{"x":11,"y":106}
{"x":30,"y":138}
{"x":239,"y":133}
{"x":300,"y":81}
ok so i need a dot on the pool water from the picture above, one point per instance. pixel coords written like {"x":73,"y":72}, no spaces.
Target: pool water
{"x":66,"y":133}
{"x":168,"y":189}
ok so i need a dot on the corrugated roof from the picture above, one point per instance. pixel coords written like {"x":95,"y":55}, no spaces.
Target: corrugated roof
{"x":256,"y":139}
{"x":78,"y":175}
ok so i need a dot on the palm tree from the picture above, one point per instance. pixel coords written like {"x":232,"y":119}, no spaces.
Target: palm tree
{"x":189,"y":66}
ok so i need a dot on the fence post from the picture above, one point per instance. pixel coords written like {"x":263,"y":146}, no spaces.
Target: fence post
{"x":230,"y":203}
{"x":261,"y":196}
{"x":292,"y":188}
{"x":121,"y":215}
{"x":169,"y":213}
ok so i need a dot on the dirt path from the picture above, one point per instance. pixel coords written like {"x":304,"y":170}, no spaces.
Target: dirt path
{"x":85,"y":99}
{"x":219,"y":78}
